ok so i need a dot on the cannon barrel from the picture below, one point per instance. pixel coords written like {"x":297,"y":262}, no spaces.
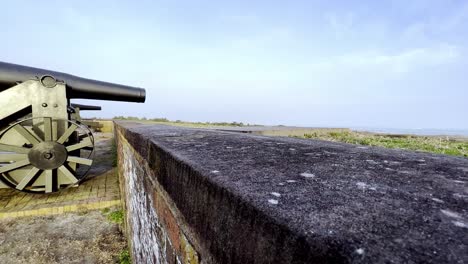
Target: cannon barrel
{"x":86,"y":107}
{"x":77,"y":87}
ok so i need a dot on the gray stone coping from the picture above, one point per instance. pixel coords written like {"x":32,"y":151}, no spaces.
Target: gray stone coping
{"x":286,"y":200}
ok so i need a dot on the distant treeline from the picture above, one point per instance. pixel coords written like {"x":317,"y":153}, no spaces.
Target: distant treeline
{"x":165,"y":120}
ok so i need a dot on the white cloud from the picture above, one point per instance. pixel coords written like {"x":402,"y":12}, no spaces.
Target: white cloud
{"x":415,"y":31}
{"x":425,"y":29}
{"x":401,"y":62}
{"x":341,"y":25}
{"x":457,"y":19}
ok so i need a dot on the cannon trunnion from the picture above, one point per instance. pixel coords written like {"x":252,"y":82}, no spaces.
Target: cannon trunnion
{"x":43,"y":145}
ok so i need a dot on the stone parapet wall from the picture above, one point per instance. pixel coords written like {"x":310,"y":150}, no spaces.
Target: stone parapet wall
{"x":155,"y":232}
{"x":201,"y":196}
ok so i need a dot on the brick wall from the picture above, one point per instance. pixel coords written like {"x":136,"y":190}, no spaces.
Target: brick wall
{"x":154,"y":226}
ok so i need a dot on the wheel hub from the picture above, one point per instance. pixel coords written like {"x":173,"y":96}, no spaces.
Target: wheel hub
{"x":48,"y":155}
{"x":45,"y":155}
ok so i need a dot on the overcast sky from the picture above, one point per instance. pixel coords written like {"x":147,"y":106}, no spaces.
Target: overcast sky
{"x":396,"y":64}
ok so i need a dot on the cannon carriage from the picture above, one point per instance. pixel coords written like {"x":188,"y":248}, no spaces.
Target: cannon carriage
{"x":43,"y":145}
{"x":76,"y":115}
{"x":77,"y":108}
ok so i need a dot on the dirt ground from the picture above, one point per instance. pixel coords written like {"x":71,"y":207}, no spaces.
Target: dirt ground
{"x":83,"y":237}
{"x":70,"y":238}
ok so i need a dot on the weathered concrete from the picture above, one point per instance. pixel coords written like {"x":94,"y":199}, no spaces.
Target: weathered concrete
{"x":241,"y":198}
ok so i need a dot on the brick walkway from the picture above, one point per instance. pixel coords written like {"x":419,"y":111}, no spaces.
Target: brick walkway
{"x":100,"y":191}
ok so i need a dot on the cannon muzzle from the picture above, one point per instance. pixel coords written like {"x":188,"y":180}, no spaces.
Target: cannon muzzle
{"x":87,"y":107}
{"x":77,"y":87}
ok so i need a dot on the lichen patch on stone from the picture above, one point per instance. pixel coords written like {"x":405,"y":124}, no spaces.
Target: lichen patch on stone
{"x":460,"y":224}
{"x":272,"y":201}
{"x":307,"y":175}
{"x":437,"y":200}
{"x":363,"y":185}
{"x":450,"y":213}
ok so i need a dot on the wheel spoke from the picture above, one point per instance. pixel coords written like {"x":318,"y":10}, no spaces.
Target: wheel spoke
{"x":48,"y":181}
{"x":86,"y":136}
{"x":68,"y":174}
{"x":29,"y":135}
{"x":85,"y":143}
{"x":25,"y":181}
{"x":11,"y":148}
{"x":14,"y":156}
{"x":80,"y":160}
{"x":47,"y":129}
{"x":14,"y":166}
{"x":6,"y":157}
{"x":67,"y":134}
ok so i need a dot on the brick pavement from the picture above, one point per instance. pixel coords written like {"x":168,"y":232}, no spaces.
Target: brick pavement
{"x":101,"y":190}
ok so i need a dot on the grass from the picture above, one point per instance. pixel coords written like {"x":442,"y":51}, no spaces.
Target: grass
{"x":432,"y":144}
{"x":439,"y":145}
{"x":124,"y":257}
{"x":114,"y":153}
{"x":116,"y":217}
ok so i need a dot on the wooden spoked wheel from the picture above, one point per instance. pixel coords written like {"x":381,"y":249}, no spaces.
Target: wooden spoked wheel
{"x":44,"y":155}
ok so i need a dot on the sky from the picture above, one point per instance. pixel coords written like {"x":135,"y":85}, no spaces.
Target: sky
{"x":391,"y":64}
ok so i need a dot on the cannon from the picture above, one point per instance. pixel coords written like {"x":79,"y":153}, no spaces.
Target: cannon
{"x":77,"y":108}
{"x":75,"y":115}
{"x":86,"y":107}
{"x":44,"y":148}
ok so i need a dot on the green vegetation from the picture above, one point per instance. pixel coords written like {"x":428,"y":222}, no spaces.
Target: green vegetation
{"x":439,"y":145}
{"x":179,"y":122}
{"x":124,"y":257}
{"x":114,"y":153}
{"x":116,"y":217}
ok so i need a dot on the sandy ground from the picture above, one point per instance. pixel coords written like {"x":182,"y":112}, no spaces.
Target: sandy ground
{"x":85,"y":237}
{"x":69,"y":238}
